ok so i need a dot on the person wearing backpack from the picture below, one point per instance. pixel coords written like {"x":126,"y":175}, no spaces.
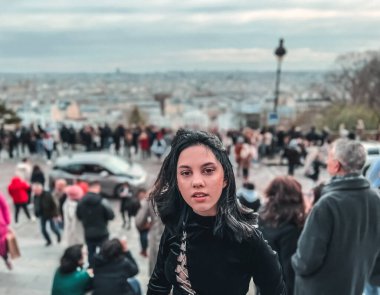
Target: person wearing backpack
{"x":94,"y":212}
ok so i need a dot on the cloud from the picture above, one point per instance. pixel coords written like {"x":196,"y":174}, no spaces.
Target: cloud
{"x":223,"y":34}
{"x":84,"y":21}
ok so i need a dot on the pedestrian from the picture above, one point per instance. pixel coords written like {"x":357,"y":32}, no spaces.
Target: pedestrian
{"x":94,"y":212}
{"x":315,"y":167}
{"x":37,"y":175}
{"x":73,"y":229}
{"x":70,"y":277}
{"x":128,"y":203}
{"x":83,"y":185}
{"x":25,"y":168}
{"x":18,"y":189}
{"x":46,"y":209}
{"x":145,"y":214}
{"x":292,"y":153}
{"x":158,"y":146}
{"x":210,"y":244}
{"x":48,"y":145}
{"x":5,"y":220}
{"x":248,"y":196}
{"x":59,"y":196}
{"x":114,"y":270}
{"x":281,"y":221}
{"x":237,"y":149}
{"x":342,"y":232}
{"x":144,"y":223}
{"x":246,"y":157}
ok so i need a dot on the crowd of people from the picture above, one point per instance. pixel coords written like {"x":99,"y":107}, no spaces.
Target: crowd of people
{"x":47,"y":141}
{"x":202,"y":234}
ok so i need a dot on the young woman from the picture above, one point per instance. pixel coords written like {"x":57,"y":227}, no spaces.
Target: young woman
{"x":281,"y":221}
{"x":210,"y":244}
{"x":70,"y":278}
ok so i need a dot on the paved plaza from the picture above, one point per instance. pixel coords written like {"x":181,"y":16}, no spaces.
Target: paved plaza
{"x":33,"y":272}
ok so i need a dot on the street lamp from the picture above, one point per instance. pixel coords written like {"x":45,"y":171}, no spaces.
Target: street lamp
{"x":279,"y":52}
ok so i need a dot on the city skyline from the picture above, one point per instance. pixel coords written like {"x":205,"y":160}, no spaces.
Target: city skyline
{"x":164,"y":35}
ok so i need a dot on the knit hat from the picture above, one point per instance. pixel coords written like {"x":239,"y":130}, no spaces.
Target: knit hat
{"x":74,"y":192}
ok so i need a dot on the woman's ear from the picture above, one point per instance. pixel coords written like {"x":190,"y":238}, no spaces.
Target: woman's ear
{"x":224,"y":183}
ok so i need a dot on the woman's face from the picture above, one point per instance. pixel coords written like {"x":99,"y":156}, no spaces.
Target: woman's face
{"x":200,"y":178}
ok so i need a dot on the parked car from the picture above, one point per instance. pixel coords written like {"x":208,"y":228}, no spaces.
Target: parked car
{"x":373,"y":153}
{"x":111,"y":171}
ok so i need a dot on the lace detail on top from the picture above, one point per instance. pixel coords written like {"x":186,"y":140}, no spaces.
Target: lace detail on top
{"x":181,"y":269}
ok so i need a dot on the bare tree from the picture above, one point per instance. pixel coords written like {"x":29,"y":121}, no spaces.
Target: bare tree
{"x":356,"y":79}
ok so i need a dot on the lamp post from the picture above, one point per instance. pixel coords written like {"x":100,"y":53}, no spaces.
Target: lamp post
{"x":279,"y":52}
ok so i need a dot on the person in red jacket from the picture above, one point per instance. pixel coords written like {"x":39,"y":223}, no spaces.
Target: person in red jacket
{"x":18,"y":189}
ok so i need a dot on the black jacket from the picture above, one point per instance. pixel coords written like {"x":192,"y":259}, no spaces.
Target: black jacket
{"x":38,"y":177}
{"x":94,"y":212}
{"x":283,"y":239}
{"x":110,"y":277}
{"x":216,"y":266}
{"x":341,"y":239}
{"x":44,"y":206}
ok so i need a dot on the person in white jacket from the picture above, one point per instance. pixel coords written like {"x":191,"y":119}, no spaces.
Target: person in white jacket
{"x":73,"y":228}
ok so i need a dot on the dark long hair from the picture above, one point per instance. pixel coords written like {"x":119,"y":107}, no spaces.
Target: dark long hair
{"x":70,"y":260}
{"x":112,"y":250}
{"x":284,"y":202}
{"x":231,"y":219}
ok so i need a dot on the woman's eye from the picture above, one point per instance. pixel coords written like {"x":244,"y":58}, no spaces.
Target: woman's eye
{"x":185,"y":173}
{"x":209,"y":170}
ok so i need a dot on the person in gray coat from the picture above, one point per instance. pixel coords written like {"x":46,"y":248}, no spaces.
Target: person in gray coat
{"x":145,"y":213}
{"x":339,"y":245}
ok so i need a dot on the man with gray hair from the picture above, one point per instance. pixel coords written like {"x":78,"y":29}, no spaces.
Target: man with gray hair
{"x":340,"y":242}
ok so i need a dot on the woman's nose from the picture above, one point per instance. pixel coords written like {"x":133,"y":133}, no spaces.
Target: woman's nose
{"x":198,"y":181}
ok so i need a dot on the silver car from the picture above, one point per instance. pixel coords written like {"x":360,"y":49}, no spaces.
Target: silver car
{"x":373,"y":153}
{"x":111,"y":171}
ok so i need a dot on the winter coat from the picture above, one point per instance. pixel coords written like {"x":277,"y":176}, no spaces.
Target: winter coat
{"x":45,"y":206}
{"x":5,"y":220}
{"x":73,"y":227}
{"x":249,"y":198}
{"x":110,"y":277}
{"x":340,"y":242}
{"x":145,"y":213}
{"x":18,"y":190}
{"x":283,"y":239}
{"x":94,"y":212}
{"x":38,"y":177}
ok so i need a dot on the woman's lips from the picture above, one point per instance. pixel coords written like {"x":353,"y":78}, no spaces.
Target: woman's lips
{"x":199,"y":197}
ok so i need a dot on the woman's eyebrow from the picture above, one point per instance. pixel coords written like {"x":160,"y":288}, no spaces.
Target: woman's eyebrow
{"x":203,"y":165}
{"x":208,"y":164}
{"x":184,"y":166}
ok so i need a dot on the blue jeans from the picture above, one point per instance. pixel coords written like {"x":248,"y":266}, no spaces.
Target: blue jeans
{"x":53,"y":226}
{"x":371,"y":290}
{"x":92,"y":246}
{"x":144,"y":239}
{"x":135,"y":285}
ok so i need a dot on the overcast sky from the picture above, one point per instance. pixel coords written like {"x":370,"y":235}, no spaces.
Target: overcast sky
{"x":161,"y":35}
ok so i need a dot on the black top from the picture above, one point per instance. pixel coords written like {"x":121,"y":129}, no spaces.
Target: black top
{"x":94,"y":212}
{"x":216,"y":265}
{"x":110,"y":277}
{"x":283,"y":239}
{"x":44,"y":206}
